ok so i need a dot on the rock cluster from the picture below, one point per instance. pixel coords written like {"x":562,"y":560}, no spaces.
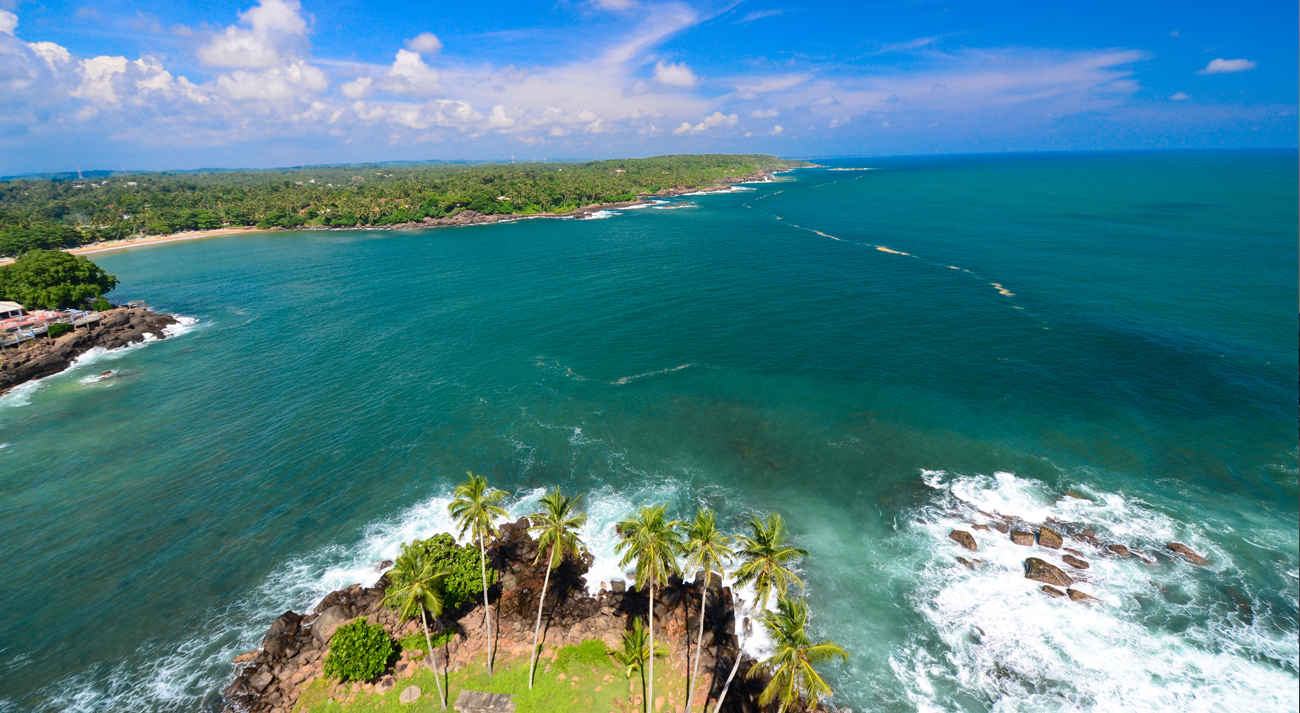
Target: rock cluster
{"x":272,"y":679}
{"x":43,"y":357}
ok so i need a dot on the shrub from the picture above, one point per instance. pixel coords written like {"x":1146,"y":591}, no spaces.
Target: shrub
{"x":464,"y":578}
{"x":101,"y":305}
{"x":58,"y":329}
{"x":414,"y":641}
{"x":359,"y":651}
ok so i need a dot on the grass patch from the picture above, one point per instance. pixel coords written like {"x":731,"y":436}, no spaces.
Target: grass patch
{"x":414,"y":641}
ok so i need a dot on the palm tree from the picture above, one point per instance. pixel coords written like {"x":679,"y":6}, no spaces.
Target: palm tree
{"x":636,"y":651}
{"x":793,"y":657}
{"x":766,"y":558}
{"x":652,"y":542}
{"x":706,"y":549}
{"x":735,"y":665}
{"x":557,"y":528}
{"x":475,"y":509}
{"x":417,"y":587}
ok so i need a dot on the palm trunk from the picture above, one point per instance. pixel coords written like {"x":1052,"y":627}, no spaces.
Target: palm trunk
{"x":734,"y":667}
{"x":487,"y":609}
{"x":432,"y":663}
{"x":537,"y":629}
{"x":651,"y":692}
{"x":699,"y":646}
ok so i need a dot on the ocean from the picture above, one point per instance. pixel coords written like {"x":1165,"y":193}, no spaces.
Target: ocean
{"x":1105,"y":339}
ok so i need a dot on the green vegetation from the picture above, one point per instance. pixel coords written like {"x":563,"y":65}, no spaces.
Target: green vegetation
{"x":589,"y":653}
{"x":767,"y":559}
{"x":652,"y":542}
{"x":45,"y":214}
{"x":359,"y":651}
{"x":635,"y":654}
{"x":463,"y":565}
{"x":53,"y":279}
{"x":415,"y":641}
{"x":556,"y":527}
{"x":58,"y":329}
{"x":418,"y":588}
{"x":476,"y":510}
{"x":793,"y":678}
{"x":706,"y":550}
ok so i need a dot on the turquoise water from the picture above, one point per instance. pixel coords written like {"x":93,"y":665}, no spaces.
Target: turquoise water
{"x":1123,"y":327}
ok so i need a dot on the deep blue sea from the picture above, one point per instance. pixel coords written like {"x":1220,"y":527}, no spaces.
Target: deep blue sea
{"x":868,"y":351}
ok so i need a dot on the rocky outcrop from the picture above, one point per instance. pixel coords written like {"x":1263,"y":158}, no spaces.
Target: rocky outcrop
{"x":1187,"y":553}
{"x":43,"y":357}
{"x":1023,"y":538}
{"x":965,"y":539}
{"x":1049,"y":538}
{"x":1046,"y":573}
{"x":1075,"y":562}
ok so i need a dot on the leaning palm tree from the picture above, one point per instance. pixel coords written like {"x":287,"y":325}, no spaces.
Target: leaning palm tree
{"x":557,"y":526}
{"x":475,"y":509}
{"x":706,"y":550}
{"x":652,"y":542}
{"x":766,"y":558}
{"x":636,"y":651}
{"x":794,"y":656}
{"x":417,"y":588}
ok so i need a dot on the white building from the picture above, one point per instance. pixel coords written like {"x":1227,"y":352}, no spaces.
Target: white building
{"x":10,"y":309}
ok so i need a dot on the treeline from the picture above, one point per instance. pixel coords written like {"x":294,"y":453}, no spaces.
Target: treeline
{"x":58,"y":213}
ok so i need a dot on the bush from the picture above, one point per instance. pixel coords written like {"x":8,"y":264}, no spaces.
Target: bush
{"x":414,"y":641}
{"x":58,"y":329}
{"x":359,"y":651}
{"x":101,"y":305}
{"x":464,"y":577}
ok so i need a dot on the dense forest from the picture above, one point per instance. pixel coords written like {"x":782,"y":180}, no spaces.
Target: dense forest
{"x":55,"y":213}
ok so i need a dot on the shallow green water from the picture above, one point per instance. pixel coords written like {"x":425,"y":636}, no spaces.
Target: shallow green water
{"x":752,"y":351}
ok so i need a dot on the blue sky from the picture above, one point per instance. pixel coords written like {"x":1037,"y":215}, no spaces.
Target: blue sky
{"x":113,"y":84}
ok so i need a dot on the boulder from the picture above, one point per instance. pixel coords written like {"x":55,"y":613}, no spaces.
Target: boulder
{"x":261,"y":680}
{"x":1023,"y":538}
{"x":1074,"y":562}
{"x":617,"y":586}
{"x":1077,"y":596}
{"x":386,"y":684}
{"x":963,"y":538}
{"x":1046,"y":573}
{"x":1053,"y":591}
{"x":410,"y":694}
{"x":328,"y":622}
{"x":966,"y":562}
{"x":1120,"y":550}
{"x":244,"y":658}
{"x":1187,"y":552}
{"x":286,"y":623}
{"x":1047,"y":537}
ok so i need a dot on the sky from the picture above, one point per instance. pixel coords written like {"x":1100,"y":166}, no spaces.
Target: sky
{"x":109,"y":84}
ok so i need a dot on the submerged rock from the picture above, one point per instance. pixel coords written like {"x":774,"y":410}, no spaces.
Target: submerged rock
{"x":1047,"y":573}
{"x":1047,"y":537}
{"x":966,"y":562}
{"x":1120,"y":550}
{"x":1077,"y":596}
{"x":1053,"y":591}
{"x":1023,"y":538}
{"x":1075,"y":562}
{"x":1187,"y":552}
{"x":963,"y":538}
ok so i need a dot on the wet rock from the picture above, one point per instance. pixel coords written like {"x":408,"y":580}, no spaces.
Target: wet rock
{"x":1053,"y":591}
{"x":1046,"y":573}
{"x":384,"y":566}
{"x":1120,"y":550}
{"x":984,"y":528}
{"x":410,"y":694}
{"x":1022,"y":538}
{"x":1001,"y":527}
{"x":963,"y":538}
{"x":1077,"y":596}
{"x":966,"y":562}
{"x":244,"y":658}
{"x":1187,"y":552}
{"x":1089,"y":536}
{"x":1075,"y":562}
{"x":1047,"y":537}
{"x":1076,"y":553}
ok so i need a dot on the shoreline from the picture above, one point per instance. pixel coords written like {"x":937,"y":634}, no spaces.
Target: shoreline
{"x":463,"y":218}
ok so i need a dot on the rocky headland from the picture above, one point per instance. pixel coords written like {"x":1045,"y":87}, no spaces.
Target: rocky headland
{"x":43,"y":357}
{"x":273,"y":678}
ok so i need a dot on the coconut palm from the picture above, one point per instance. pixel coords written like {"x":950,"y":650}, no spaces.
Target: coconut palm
{"x":766,"y":559}
{"x":556,"y":526}
{"x":636,"y":651}
{"x":476,"y":511}
{"x":651,"y":541}
{"x":794,"y":656}
{"x":735,"y":665}
{"x":417,"y":588}
{"x":706,"y":550}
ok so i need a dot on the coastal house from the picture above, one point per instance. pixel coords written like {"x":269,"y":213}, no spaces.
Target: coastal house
{"x":10,"y":309}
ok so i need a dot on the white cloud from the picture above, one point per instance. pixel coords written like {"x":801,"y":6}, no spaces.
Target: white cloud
{"x":54,"y":55}
{"x":8,"y":22}
{"x":617,"y":5}
{"x":765,"y":113}
{"x":1174,"y":33}
{"x":275,"y":30}
{"x":358,"y":88}
{"x":675,"y":75}
{"x":1180,"y":96}
{"x":409,"y":75}
{"x":760,"y":14}
{"x":1227,"y":66}
{"x":277,"y":84}
{"x":426,"y":43}
{"x":777,"y":129}
{"x":711,"y":121}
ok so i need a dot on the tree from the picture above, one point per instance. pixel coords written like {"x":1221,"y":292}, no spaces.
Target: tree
{"x":706,"y":550}
{"x":557,"y":526}
{"x":652,"y":542}
{"x":417,"y":588}
{"x":766,"y":559}
{"x":53,"y":279}
{"x":475,"y":509}
{"x":636,"y":652}
{"x":794,"y":656}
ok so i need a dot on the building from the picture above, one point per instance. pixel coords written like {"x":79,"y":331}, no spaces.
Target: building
{"x":10,"y":309}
